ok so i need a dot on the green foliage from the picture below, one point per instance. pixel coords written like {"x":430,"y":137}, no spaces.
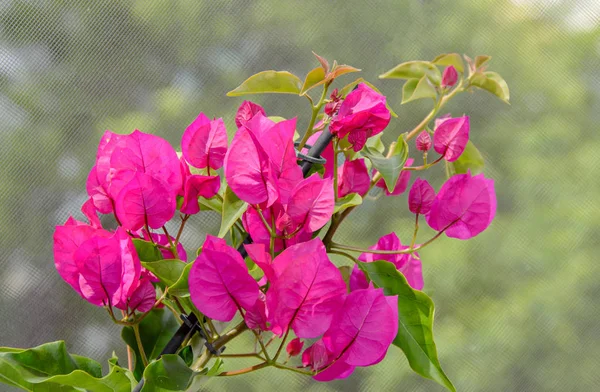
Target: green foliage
{"x":414,"y":70}
{"x":269,"y":82}
{"x":315,"y":77}
{"x":350,"y":200}
{"x":181,"y":288}
{"x":470,"y":159}
{"x":453,"y":59}
{"x":415,"y":89}
{"x":492,"y":82}
{"x":50,"y":367}
{"x":233,"y":208}
{"x":415,"y":320}
{"x":169,"y":373}
{"x":168,"y":271}
{"x":389,"y":167}
{"x":155,"y":331}
{"x":146,"y":250}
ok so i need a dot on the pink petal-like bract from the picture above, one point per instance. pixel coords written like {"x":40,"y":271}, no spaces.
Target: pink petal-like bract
{"x":67,"y":239}
{"x":408,"y":265}
{"x":358,"y":279}
{"x":98,"y":192}
{"x":259,"y":253}
{"x":143,"y":297}
{"x":363,"y":328}
{"x":312,"y":203}
{"x":420,"y":197}
{"x":196,"y":186}
{"x":402,"y":182}
{"x":451,"y":136}
{"x":204,"y":142}
{"x":316,"y":356}
{"x":362,"y":114}
{"x":220,"y":283}
{"x":306,"y":290}
{"x":353,"y":177}
{"x":464,"y":207}
{"x":294,"y":347}
{"x":89,"y":210}
{"x":149,"y":154}
{"x":246,"y":111}
{"x":423,"y":141}
{"x":109,"y":269}
{"x":248,"y":170}
{"x":145,"y":201}
{"x":327,"y":154}
{"x":449,"y":77}
{"x":256,"y":316}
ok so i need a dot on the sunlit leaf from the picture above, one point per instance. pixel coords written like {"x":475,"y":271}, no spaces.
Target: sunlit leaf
{"x":453,"y":59}
{"x":415,"y":89}
{"x":146,"y":250}
{"x":350,"y":200}
{"x":492,"y":82}
{"x":315,"y":77}
{"x":481,"y":60}
{"x":414,"y":70}
{"x":168,"y":271}
{"x":269,"y":82}
{"x":470,"y":159}
{"x":391,"y":167}
{"x":233,"y":208}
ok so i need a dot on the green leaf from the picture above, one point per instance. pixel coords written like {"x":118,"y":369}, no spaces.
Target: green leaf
{"x":168,"y":271}
{"x":315,"y":77}
{"x":470,"y":159}
{"x":181,"y":288}
{"x":216,"y":368}
{"x":269,"y":82}
{"x":453,"y":59}
{"x":481,"y":60}
{"x":146,"y":250}
{"x":415,"y":89}
{"x":391,"y":167}
{"x":50,"y":367}
{"x":492,"y":82}
{"x":350,"y":86}
{"x":415,"y":320}
{"x":155,"y":331}
{"x":187,"y":354}
{"x":233,"y":208}
{"x":350,"y":200}
{"x":414,"y":70}
{"x":340,"y":70}
{"x":169,"y":373}
{"x":213,"y":204}
{"x":375,"y":143}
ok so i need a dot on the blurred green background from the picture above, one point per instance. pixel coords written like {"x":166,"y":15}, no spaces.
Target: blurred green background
{"x":517,"y":307}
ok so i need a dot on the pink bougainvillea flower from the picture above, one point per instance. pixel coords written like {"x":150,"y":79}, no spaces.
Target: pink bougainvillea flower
{"x":464,"y":207}
{"x":402,"y":182}
{"x":204,"y":142}
{"x":143,"y":297}
{"x":256,"y":316}
{"x":294,"y":347}
{"x":358,"y":279}
{"x":145,"y":201}
{"x":423,"y":141}
{"x":259,"y":253}
{"x":161,"y":239}
{"x":109,"y":269}
{"x":407,"y":264}
{"x":420,"y":197}
{"x":246,"y":111}
{"x":149,"y":154}
{"x":451,"y":136}
{"x":311,"y":203}
{"x":90,"y":212}
{"x":353,"y":177}
{"x":327,"y":154}
{"x":249,"y":171}
{"x":219,"y":281}
{"x":196,"y":186}
{"x":449,"y":77}
{"x":306,"y":290}
{"x":98,"y":193}
{"x":362,"y":114}
{"x":67,"y":239}
{"x":360,"y":335}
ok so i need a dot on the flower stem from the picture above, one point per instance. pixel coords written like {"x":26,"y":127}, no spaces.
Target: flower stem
{"x":183,"y":220}
{"x":414,"y":239}
{"x":335,"y":169}
{"x":220,"y":342}
{"x":138,"y":339}
{"x":387,"y":252}
{"x":315,"y":112}
{"x":245,"y":370}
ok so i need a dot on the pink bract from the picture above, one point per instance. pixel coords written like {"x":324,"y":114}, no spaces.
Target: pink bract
{"x":420,"y":197}
{"x":294,"y":347}
{"x":464,"y":207}
{"x":449,"y":77}
{"x":353,"y":177}
{"x":204,"y":142}
{"x":311,"y":203}
{"x":246,"y":111}
{"x":423,"y":141}
{"x":306,"y":290}
{"x":220,"y":283}
{"x":362,"y":114}
{"x":196,"y":186}
{"x":327,"y":154}
{"x":143,"y":297}
{"x":451,"y":136}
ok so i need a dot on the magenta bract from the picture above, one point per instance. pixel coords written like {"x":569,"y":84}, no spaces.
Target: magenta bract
{"x":196,"y":186}
{"x":451,"y":136}
{"x":464,"y":207}
{"x":420,"y":197}
{"x":143,"y":297}
{"x":423,"y":141}
{"x":362,"y":114}
{"x":327,"y":154}
{"x":449,"y":77}
{"x":246,"y":111}
{"x":219,"y":281}
{"x":204,"y":142}
{"x":353,"y":177}
{"x":311,"y":203}
{"x":294,"y":347}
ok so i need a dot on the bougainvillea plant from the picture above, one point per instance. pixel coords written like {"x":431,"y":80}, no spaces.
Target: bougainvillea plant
{"x":268,"y":273}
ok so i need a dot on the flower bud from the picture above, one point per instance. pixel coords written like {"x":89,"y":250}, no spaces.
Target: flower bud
{"x":294,"y":347}
{"x":423,"y":141}
{"x":449,"y":77}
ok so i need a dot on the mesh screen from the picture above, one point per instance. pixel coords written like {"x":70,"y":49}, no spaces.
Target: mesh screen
{"x":517,"y":307}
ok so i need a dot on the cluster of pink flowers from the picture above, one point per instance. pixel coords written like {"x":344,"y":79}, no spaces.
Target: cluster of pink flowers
{"x":143,"y":181}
